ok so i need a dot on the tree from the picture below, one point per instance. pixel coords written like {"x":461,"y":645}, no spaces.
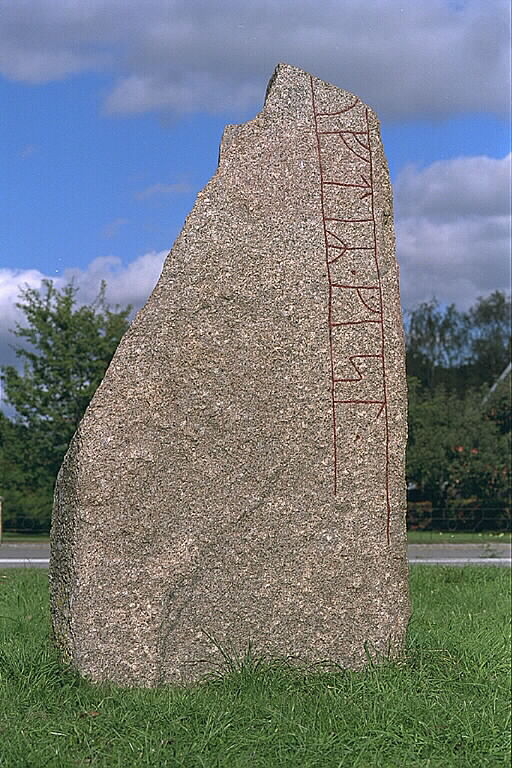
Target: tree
{"x":490,"y":339}
{"x":461,"y":350}
{"x":66,"y":353}
{"x":437,"y":340}
{"x":497,"y":403}
{"x":458,"y":453}
{"x":28,"y":495}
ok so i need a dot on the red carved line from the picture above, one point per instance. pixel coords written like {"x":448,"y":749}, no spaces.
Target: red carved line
{"x":343,"y":248}
{"x":378,"y":311}
{"x":336,"y":237}
{"x":350,"y":247}
{"x":356,"y":322}
{"x":366,"y":287}
{"x":340,"y":131}
{"x":358,"y":186}
{"x":365,"y":146}
{"x":339,"y":184}
{"x":343,"y":252}
{"x":363,"y":402}
{"x":351,"y":361}
{"x":355,"y":134}
{"x":353,"y":150}
{"x":333,"y":261}
{"x":329,"y":114}
{"x":388,"y":503}
{"x":350,"y":221}
{"x":331,"y":352}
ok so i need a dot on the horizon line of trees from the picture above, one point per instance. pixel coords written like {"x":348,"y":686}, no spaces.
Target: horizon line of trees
{"x":459,"y":448}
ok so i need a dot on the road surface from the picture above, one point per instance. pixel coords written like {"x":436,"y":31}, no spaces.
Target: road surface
{"x":32,"y":555}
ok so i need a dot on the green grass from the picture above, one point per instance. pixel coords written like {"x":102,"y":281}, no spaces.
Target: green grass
{"x":444,"y":705}
{"x":36,"y":538}
{"x":457,"y":537}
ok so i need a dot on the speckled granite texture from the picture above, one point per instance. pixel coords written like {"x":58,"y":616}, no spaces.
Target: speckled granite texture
{"x":239,"y":474}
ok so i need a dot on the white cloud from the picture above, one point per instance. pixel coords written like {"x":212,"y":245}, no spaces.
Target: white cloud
{"x":113,"y":228}
{"x":407,"y":59}
{"x":10,"y":280}
{"x":28,"y":150}
{"x":164,"y":190}
{"x":453,"y":229}
{"x":39,"y":66}
{"x":130,"y":284}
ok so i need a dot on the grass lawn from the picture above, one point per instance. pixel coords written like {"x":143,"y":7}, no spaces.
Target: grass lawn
{"x":446,"y":704}
{"x":36,"y":538}
{"x":458,"y":537}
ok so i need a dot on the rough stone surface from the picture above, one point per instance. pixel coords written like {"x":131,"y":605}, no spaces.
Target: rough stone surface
{"x":239,"y":474}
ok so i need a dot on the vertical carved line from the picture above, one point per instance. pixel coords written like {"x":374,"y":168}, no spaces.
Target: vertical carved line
{"x":384,"y":382}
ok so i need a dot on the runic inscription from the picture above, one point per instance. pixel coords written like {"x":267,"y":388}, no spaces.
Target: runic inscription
{"x":358,"y":371}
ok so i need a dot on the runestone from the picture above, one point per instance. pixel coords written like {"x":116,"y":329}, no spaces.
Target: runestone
{"x":238,"y":479}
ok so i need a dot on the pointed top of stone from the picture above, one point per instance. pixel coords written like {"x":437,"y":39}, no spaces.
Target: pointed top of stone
{"x":286,"y":84}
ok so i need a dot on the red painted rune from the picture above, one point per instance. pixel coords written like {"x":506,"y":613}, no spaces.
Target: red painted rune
{"x":358,"y":374}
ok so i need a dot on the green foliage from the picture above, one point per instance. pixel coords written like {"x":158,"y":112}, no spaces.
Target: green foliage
{"x":461,"y":350}
{"x":65,"y":354}
{"x":436,"y":340}
{"x":490,"y":337}
{"x":498,"y":405}
{"x":459,"y":433}
{"x":458,"y":451}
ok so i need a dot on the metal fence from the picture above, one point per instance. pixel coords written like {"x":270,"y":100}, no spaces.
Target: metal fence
{"x":468,"y":516}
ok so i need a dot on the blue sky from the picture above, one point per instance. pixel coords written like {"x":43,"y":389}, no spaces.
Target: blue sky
{"x":111,"y":115}
{"x":79,"y":184}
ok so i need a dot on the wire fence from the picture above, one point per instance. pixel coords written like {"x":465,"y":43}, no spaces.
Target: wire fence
{"x":465,"y":516}
{"x":469,"y":516}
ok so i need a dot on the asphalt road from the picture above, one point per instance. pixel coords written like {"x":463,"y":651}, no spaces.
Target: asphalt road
{"x":20,"y":555}
{"x":488,"y":553}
